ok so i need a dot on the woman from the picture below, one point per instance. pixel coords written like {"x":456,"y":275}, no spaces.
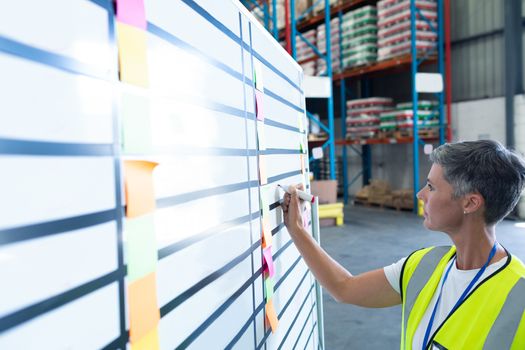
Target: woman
{"x":467,"y":296}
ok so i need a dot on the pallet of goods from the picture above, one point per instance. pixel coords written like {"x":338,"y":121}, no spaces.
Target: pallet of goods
{"x":399,"y":122}
{"x":359,"y":37}
{"x":362,"y":116}
{"x":394,"y":27}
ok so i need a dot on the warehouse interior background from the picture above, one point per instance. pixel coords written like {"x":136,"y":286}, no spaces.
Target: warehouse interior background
{"x":485,"y":85}
{"x":143,"y":144}
{"x":476,"y":46}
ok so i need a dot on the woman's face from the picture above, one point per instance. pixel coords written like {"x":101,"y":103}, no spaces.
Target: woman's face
{"x":442,"y":212}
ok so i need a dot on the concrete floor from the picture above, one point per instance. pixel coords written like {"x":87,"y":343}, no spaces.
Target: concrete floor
{"x":372,"y":238}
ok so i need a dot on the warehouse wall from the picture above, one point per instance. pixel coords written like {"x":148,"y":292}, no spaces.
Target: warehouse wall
{"x":479,"y":119}
{"x":477,"y":65}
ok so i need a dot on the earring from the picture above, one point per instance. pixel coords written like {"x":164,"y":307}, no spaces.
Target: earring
{"x":465,"y":212}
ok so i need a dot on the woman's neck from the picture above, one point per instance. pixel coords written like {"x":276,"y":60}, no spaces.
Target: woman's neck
{"x":473,"y":246}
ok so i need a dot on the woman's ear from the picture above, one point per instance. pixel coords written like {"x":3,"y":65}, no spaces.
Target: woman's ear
{"x":473,"y":202}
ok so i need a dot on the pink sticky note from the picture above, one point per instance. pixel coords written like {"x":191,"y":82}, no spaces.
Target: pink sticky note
{"x":306,"y":218}
{"x":268,"y":260}
{"x":259,"y":108}
{"x":305,"y":221}
{"x":131,"y":12}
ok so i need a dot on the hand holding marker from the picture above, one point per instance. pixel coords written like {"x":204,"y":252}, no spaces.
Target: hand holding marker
{"x":301,"y":194}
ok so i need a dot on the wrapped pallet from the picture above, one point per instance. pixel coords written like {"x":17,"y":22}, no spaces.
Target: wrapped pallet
{"x":403,"y":199}
{"x":380,"y":192}
{"x":394,"y":27}
{"x":359,"y":32}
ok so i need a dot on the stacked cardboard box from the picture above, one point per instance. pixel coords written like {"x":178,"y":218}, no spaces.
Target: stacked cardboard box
{"x":359,"y":37}
{"x":334,"y":43}
{"x":401,"y":119}
{"x":394,"y":27}
{"x":362,"y":116}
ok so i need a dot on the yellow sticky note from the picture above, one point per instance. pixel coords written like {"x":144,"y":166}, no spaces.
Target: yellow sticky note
{"x":266,"y":233}
{"x":263,"y":177}
{"x":271,"y":316}
{"x":132,"y":54}
{"x":144,"y":314}
{"x":148,"y":342}
{"x":300,"y":123}
{"x":138,"y":184}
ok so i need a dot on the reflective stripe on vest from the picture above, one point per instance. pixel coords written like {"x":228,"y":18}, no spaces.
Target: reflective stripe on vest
{"x":420,"y":277}
{"x":506,"y":325}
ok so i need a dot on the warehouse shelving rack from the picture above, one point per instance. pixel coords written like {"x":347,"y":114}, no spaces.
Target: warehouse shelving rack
{"x":300,"y":24}
{"x":411,"y":61}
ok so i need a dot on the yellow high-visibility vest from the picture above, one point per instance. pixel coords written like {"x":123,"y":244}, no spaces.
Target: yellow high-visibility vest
{"x":492,"y":316}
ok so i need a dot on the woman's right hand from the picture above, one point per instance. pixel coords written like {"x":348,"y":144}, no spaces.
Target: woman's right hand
{"x":292,"y":209}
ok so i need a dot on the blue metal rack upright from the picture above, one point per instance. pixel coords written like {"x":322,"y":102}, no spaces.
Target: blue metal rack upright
{"x":327,"y":57}
{"x":414,"y":62}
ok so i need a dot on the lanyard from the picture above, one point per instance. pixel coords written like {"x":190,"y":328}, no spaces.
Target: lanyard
{"x":462,"y":297}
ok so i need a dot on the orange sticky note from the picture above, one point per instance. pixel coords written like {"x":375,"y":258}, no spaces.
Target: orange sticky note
{"x":266,"y":234}
{"x":148,"y":342}
{"x":132,"y":55}
{"x":271,"y":316}
{"x":302,"y":164}
{"x":138,"y":184}
{"x":263,"y":177}
{"x":144,"y":314}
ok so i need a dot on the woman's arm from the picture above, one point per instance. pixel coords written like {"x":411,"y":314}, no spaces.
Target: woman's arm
{"x":370,"y":289}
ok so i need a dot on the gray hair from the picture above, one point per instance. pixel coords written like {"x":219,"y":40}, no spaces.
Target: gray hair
{"x":485,"y":167}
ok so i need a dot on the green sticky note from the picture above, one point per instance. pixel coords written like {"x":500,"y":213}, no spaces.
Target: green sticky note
{"x":258,"y":76}
{"x":136,"y":125}
{"x":265,"y":201}
{"x":261,"y":138}
{"x":268,"y":288}
{"x":141,"y":246}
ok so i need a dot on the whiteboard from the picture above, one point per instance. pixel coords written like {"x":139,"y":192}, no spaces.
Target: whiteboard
{"x":67,"y":251}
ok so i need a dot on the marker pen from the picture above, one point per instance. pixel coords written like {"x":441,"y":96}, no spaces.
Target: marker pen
{"x":301,"y":194}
